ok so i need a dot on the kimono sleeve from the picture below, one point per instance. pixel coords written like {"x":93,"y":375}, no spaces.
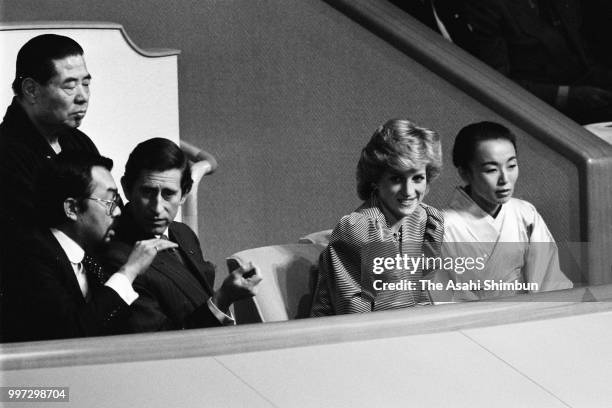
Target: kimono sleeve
{"x":542,"y":258}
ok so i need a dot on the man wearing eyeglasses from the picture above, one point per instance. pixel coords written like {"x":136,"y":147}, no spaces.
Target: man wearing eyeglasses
{"x":60,"y":291}
{"x":51,"y":90}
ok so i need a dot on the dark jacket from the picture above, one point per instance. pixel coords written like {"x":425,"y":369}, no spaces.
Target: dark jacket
{"x":450,"y":12}
{"x":173,"y":294}
{"x":23,"y":153}
{"x":44,"y":300}
{"x":539,"y":49}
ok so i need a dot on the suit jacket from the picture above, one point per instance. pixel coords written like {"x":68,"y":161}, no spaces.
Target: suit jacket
{"x":44,"y":300}
{"x":450,"y":12}
{"x":540,"y":53}
{"x":172,"y":295}
{"x":597,"y":29}
{"x":23,"y":154}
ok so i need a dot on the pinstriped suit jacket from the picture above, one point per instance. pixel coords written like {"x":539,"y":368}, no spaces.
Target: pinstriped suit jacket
{"x":345,"y":283}
{"x":172,"y":295}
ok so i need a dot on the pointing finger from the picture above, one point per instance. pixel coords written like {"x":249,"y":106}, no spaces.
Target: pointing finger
{"x":164,"y":244}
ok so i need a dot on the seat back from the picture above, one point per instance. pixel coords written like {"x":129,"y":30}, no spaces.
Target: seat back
{"x":320,"y":238}
{"x":125,"y":109}
{"x":134,"y":92}
{"x":288,"y":272}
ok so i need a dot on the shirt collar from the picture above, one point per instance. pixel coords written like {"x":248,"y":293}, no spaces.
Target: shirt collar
{"x":165,"y":233}
{"x":461,"y":201}
{"x":373,"y":209}
{"x":73,"y":251}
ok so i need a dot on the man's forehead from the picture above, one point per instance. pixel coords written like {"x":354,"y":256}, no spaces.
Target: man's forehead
{"x":71,"y":65}
{"x":167,"y":178}
{"x":102,"y":179}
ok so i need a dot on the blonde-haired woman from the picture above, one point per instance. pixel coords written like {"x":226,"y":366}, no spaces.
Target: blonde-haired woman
{"x":358,"y":271}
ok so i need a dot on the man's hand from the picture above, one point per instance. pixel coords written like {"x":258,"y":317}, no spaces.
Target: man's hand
{"x":585,"y":98}
{"x":240,"y":284}
{"x":142,"y":255}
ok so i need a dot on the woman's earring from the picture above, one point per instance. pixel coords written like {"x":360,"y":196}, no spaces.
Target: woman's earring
{"x":373,"y":194}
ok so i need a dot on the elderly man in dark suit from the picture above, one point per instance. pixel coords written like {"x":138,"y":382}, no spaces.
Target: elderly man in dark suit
{"x":538,"y":44}
{"x":177,"y":290}
{"x":51,"y":89}
{"x":58,"y":290}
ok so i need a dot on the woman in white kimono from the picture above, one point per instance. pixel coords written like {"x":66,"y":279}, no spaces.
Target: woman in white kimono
{"x":483,"y":221}
{"x":359,"y":271}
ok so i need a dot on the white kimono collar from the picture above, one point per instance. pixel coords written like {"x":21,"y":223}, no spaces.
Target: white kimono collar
{"x":461,"y":201}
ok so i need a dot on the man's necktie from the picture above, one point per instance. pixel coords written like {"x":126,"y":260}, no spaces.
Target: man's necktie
{"x":175,"y":252}
{"x":81,"y":277}
{"x":94,"y":270}
{"x":183,"y":260}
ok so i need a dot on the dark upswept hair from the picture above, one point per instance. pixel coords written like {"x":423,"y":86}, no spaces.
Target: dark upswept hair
{"x":35,"y":58}
{"x":157,"y":154}
{"x":398,"y":145}
{"x":471,"y":135}
{"x":68,"y":175}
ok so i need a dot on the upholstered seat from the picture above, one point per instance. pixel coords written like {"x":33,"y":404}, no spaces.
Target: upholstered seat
{"x":289,"y":274}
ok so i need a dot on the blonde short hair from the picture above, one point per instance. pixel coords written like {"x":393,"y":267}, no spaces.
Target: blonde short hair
{"x":398,"y":145}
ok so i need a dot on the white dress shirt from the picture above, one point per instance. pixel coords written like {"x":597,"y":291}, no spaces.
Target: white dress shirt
{"x":440,"y":24}
{"x":118,"y":281}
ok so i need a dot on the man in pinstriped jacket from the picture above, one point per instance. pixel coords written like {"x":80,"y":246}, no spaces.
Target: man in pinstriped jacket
{"x":177,"y":290}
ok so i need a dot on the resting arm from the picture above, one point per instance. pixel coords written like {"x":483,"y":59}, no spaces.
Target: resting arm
{"x":204,"y":164}
{"x":148,"y":313}
{"x":542,"y":260}
{"x":340,"y":288}
{"x":321,"y":303}
{"x":207,"y":161}
{"x":57,"y":313}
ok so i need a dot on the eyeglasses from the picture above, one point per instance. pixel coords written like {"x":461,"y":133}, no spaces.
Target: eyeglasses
{"x":110,"y":205}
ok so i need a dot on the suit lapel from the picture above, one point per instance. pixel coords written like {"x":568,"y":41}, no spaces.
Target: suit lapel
{"x":63,"y":267}
{"x":190,"y":250}
{"x":166,"y":263}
